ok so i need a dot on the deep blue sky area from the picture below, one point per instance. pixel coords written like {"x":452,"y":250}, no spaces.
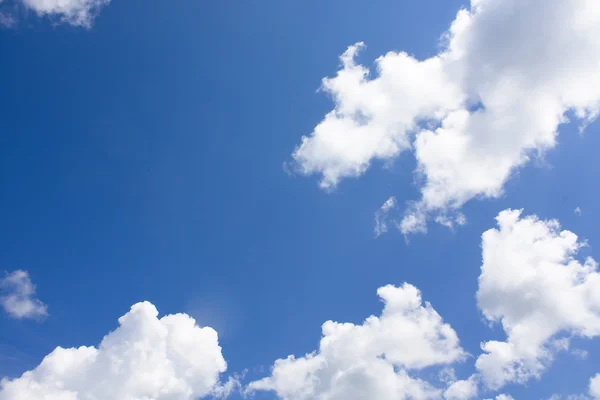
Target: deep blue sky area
{"x":143,"y":160}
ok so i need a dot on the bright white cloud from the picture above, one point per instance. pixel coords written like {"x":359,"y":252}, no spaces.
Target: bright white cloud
{"x":372,"y":116}
{"x":504,"y":397}
{"x":372,"y":360}
{"x":492,"y":99}
{"x":594,"y":389}
{"x":18,"y":297}
{"x":75,"y":12}
{"x":382,"y":216}
{"x":145,"y":358}
{"x":542,"y":295}
{"x":462,"y":390}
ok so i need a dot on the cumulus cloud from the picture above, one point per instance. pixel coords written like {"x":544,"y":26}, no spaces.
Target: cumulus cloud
{"x":462,"y":390}
{"x":18,"y":297}
{"x":594,"y":389}
{"x":510,"y":72}
{"x":382,"y":215}
{"x":373,"y":360}
{"x":504,"y":397}
{"x":144,"y":358}
{"x":541,"y":294}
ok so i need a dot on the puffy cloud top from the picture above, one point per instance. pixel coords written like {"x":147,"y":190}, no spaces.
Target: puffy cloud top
{"x":145,"y":358}
{"x":371,"y":360}
{"x":494,"y":97}
{"x":532,"y":284}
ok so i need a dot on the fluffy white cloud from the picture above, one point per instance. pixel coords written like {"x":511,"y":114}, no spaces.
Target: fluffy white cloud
{"x":594,"y":389}
{"x":372,"y":117}
{"x":531,"y":282}
{"x":76,"y":12}
{"x":372,"y":360}
{"x":462,"y":390}
{"x":145,"y":358}
{"x":18,"y":297}
{"x":504,"y":397}
{"x":509,"y":73}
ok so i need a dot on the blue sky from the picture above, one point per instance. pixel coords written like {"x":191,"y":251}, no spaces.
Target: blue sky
{"x":144,"y":158}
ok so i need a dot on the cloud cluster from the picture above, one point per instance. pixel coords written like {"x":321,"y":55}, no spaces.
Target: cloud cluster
{"x":18,"y":297}
{"x":144,"y":358}
{"x":531,"y":283}
{"x":373,"y":360}
{"x":542,"y":295}
{"x":510,"y":72}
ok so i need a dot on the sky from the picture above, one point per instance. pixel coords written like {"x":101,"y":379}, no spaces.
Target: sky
{"x":299,"y":200}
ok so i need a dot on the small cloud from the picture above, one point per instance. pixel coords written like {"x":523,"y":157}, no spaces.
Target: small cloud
{"x":18,"y":298}
{"x":382,"y":215}
{"x":579,"y":353}
{"x":451,"y":221}
{"x":447,"y":375}
{"x":577,"y":211}
{"x":414,"y":221}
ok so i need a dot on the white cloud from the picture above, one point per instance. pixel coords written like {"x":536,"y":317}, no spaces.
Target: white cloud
{"x":382,"y":215}
{"x":491,"y":100}
{"x":372,"y":360}
{"x":144,"y":358}
{"x":18,"y":297}
{"x":75,"y":12}
{"x":372,"y":116}
{"x":579,"y":353}
{"x":577,"y":211}
{"x":594,"y":389}
{"x":462,"y":390}
{"x":532,"y":284}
